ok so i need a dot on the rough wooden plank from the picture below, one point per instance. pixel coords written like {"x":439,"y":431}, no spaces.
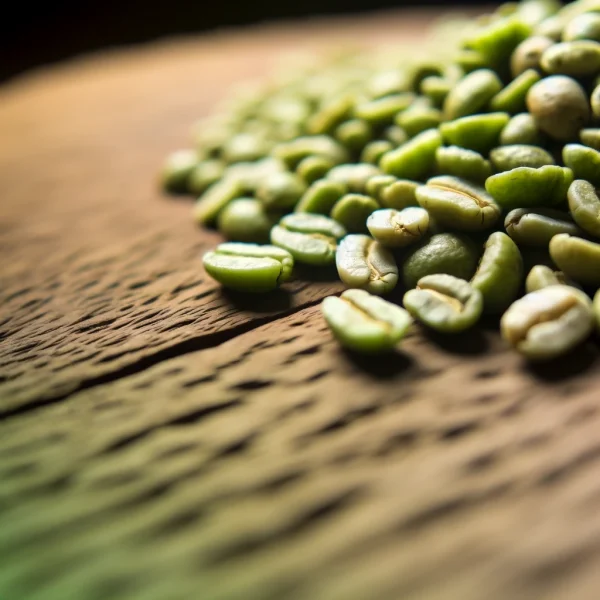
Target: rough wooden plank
{"x":276,"y":465}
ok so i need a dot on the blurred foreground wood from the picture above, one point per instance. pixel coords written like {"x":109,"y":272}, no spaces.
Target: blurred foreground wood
{"x":160,"y":439}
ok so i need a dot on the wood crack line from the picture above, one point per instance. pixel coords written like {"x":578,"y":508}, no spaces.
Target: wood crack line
{"x":187,"y":346}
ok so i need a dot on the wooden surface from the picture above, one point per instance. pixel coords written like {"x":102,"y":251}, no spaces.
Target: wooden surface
{"x":162,"y":440}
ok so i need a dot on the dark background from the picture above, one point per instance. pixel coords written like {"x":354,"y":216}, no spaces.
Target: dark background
{"x":35,"y":33}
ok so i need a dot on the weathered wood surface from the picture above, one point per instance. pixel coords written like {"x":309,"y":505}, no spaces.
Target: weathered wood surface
{"x":162,"y":440}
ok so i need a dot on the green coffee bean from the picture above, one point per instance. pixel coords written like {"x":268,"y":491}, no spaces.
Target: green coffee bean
{"x":292,"y":152}
{"x":209,"y":137}
{"x":354,"y":177}
{"x":365,"y":263}
{"x":463,"y":163}
{"x":506,"y":158}
{"x":383,"y":110}
{"x":386,"y":83}
{"x":436,"y":89}
{"x":597,"y":309}
{"x":365,"y":323}
{"x":580,"y":58}
{"x":542,"y":276}
{"x":533,"y":12}
{"x":480,"y":133}
{"x":528,"y":53}
{"x":423,"y":69}
{"x":512,"y":99}
{"x":313,"y":168}
{"x":353,"y":210}
{"x":552,"y":28}
{"x":281,"y":191}
{"x":245,"y":220}
{"x":285,"y":110}
{"x":377,"y":184}
{"x":458,"y":204}
{"x":471,"y":94}
{"x":310,"y":239}
{"x":521,"y":129}
{"x":499,"y":274}
{"x":447,"y":253}
{"x":415,"y":121}
{"x":330,"y":115}
{"x":584,"y":204}
{"x":560,"y":107}
{"x":415,"y":158}
{"x":577,"y":258}
{"x":251,"y":175}
{"x":395,"y":135}
{"x":177,"y":170}
{"x":590,"y":137}
{"x":497,"y":41}
{"x":214,"y":200}
{"x":549,"y":322}
{"x":526,"y":187}
{"x":445,"y":303}
{"x":399,"y":194}
{"x":354,"y":134}
{"x":283,"y":132}
{"x":204,"y":174}
{"x":583,"y":161}
{"x":536,"y":227}
{"x":583,"y":27}
{"x":577,"y":8}
{"x":469,"y":62}
{"x":397,"y":229}
{"x":249,"y":267}
{"x":373,"y":151}
{"x":595,"y":101}
{"x":321,"y":197}
{"x":244,"y":147}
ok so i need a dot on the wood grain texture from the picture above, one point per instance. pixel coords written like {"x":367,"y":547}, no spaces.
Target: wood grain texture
{"x":160,"y":439}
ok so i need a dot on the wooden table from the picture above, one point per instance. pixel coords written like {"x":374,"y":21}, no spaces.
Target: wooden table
{"x":161,"y":439}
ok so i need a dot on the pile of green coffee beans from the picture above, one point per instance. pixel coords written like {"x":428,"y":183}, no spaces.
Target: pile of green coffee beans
{"x":469,"y":174}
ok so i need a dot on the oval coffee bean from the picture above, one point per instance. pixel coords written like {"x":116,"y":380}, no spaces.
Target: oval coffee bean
{"x":448,"y":253}
{"x":584,"y":204}
{"x":458,"y":204}
{"x":506,"y":158}
{"x":310,"y":239}
{"x":444,"y":303}
{"x":549,"y":322}
{"x":536,"y":227}
{"x":499,"y":274}
{"x":364,"y":263}
{"x":249,"y":267}
{"x":353,"y":210}
{"x":560,"y":107}
{"x":397,"y":229}
{"x":245,"y":220}
{"x":542,"y":276}
{"x":580,"y":58}
{"x":583,"y":161}
{"x":365,"y":323}
{"x":463,"y":163}
{"x":525,"y":187}
{"x":577,"y":258}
